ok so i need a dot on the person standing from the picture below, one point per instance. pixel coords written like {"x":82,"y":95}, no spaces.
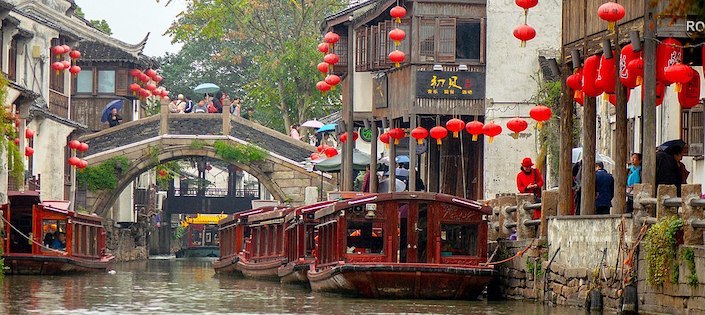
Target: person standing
{"x":235,"y":107}
{"x":369,"y":176}
{"x":114,"y":119}
{"x":189,"y":105}
{"x":604,"y":189}
{"x":633,"y":178}
{"x":249,"y":114}
{"x":668,"y":169}
{"x":294,"y":132}
{"x":217,"y":101}
{"x":530,"y":181}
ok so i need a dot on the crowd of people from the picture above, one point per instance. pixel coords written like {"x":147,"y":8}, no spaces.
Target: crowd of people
{"x":209,"y":104}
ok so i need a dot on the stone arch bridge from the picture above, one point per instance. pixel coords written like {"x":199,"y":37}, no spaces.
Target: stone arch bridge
{"x":164,"y":137}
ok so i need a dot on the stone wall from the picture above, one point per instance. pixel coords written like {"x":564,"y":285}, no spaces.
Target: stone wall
{"x":127,"y":244}
{"x":583,"y":238}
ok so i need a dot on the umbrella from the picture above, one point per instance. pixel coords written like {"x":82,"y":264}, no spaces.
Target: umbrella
{"x":206,"y":88}
{"x":599,"y":157}
{"x":326,"y":128}
{"x":117,"y":104}
{"x":401,"y":172}
{"x":672,"y":143}
{"x":383,"y":186}
{"x":312,"y":124}
{"x":332,"y":164}
{"x":402,"y":159}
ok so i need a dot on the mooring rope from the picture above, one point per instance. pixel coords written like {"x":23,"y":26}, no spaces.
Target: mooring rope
{"x":519,"y":254}
{"x":31,"y":240}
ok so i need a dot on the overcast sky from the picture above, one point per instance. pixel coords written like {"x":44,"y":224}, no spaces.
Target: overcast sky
{"x":130,"y":20}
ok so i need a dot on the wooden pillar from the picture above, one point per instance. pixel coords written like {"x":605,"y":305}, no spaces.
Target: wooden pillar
{"x":691,"y":236}
{"x":348,"y":114}
{"x":373,"y":157}
{"x":565,"y":164}
{"x":621,"y":146}
{"x":587,"y":202}
{"x":648,"y":110}
{"x":392,"y":160}
{"x":412,"y":155}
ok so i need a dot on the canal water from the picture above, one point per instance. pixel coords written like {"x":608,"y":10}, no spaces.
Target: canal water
{"x":191,"y":286}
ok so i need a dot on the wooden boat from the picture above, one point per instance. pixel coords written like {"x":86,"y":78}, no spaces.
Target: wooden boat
{"x":34,"y":232}
{"x":300,"y":227}
{"x":263,"y":252}
{"x":201,"y":236}
{"x":402,"y":245}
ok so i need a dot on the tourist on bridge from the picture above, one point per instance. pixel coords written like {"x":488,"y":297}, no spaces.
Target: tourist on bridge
{"x":235,"y":107}
{"x":530,"y":181}
{"x":604,"y":189}
{"x":218,"y":102}
{"x":294,"y":132}
{"x":633,"y":178}
{"x":249,"y":114}
{"x":200,"y":107}
{"x":189,"y":105}
{"x":173,"y":108}
{"x":114,"y":118}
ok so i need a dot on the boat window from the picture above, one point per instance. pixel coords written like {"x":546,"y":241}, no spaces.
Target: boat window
{"x":365,"y":237}
{"x":459,"y":239}
{"x":54,"y":234}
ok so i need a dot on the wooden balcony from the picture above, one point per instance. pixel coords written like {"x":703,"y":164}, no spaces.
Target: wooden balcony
{"x":58,"y":104}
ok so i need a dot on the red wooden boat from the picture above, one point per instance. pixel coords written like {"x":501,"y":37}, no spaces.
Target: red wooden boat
{"x":263,"y":251}
{"x":300,"y":230}
{"x":46,"y":238}
{"x":402,"y":245}
{"x":231,"y":238}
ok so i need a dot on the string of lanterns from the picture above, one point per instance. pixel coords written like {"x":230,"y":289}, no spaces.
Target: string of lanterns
{"x":145,"y":84}
{"x":524,"y":32}
{"x":330,"y":59}
{"x":62,"y":51}
{"x":74,"y":161}
{"x":397,"y":35}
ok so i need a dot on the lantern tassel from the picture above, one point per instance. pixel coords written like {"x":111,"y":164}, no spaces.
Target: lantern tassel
{"x":605,"y":97}
{"x":419,"y":141}
{"x":455,"y":134}
{"x":398,"y":20}
{"x":397,"y":64}
{"x":639,"y":80}
{"x":576,"y":95}
{"x":610,"y":26}
{"x":678,"y":87}
{"x":516,"y":135}
{"x":397,"y":43}
{"x":438,"y":141}
{"x":539,"y":125}
{"x":474,"y":137}
{"x":332,"y":87}
{"x":523,"y":44}
{"x":490,"y":140}
{"x":396,"y":141}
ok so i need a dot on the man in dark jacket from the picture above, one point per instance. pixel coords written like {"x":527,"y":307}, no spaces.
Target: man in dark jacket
{"x":604,"y":189}
{"x":668,"y":170}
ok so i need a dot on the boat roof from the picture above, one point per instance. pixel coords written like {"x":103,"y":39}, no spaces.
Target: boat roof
{"x":269,"y":215}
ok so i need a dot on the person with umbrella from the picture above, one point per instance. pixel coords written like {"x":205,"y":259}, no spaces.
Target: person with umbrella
{"x":110,"y":113}
{"x":668,"y":164}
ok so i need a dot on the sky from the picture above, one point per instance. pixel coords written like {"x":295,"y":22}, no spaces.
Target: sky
{"x":130,"y":20}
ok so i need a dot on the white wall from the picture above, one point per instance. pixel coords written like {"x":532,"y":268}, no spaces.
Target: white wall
{"x":125,"y":205}
{"x":509,"y":79}
{"x":49,"y":144}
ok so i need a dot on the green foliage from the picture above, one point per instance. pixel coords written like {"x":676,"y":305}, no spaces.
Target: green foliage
{"x":661,"y":249}
{"x":170,"y":169}
{"x":682,"y":8}
{"x":533,"y":267}
{"x":687,"y":255}
{"x":154,"y":154}
{"x":197,"y":144}
{"x":15,"y":159}
{"x":102,"y":25}
{"x":103,"y":176}
{"x":179,"y":232}
{"x":239,"y":153}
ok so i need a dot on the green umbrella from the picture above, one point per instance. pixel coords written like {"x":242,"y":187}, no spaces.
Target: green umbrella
{"x":206,"y":88}
{"x":332,"y":164}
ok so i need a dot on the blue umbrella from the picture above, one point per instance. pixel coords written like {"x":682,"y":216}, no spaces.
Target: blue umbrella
{"x":402,"y":159}
{"x":206,"y":88}
{"x":117,"y":104}
{"x":326,"y":128}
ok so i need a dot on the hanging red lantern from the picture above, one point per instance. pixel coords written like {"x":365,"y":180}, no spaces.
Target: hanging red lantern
{"x":628,"y":78}
{"x":134,"y":87}
{"x":492,"y":130}
{"x":397,"y":134}
{"x":455,"y":126}
{"x":580,"y":99}
{"x":150,"y":87}
{"x":438,"y":133}
{"x":540,"y":113}
{"x":144,"y":78}
{"x":83,"y":164}
{"x":331,"y":59}
{"x":65,"y":48}
{"x":67,"y":64}
{"x":323,"y":67}
{"x":344,"y":137}
{"x":575,"y":82}
{"x":158,"y":78}
{"x":83,"y":147}
{"x":332,"y":80}
{"x":679,"y":74}
{"x":57,"y":50}
{"x":315,"y":156}
{"x":74,"y":144}
{"x":17,"y":141}
{"x":158,"y":92}
{"x":331,"y":38}
{"x":58,"y":66}
{"x":323,"y":47}
{"x":397,"y":57}
{"x":606,"y":74}
{"x":331,"y":152}
{"x":397,"y":35}
{"x":397,"y":13}
{"x":74,"y":161}
{"x":590,"y":68}
{"x":162,"y":173}
{"x":385,"y":138}
{"x":144,"y":93}
{"x":165,"y":93}
{"x":419,"y":133}
{"x":75,"y":70}
{"x":474,"y":128}
{"x":28,"y":133}
{"x":28,"y":151}
{"x":524,"y":33}
{"x":611,"y":12}
{"x":526,"y":4}
{"x":323,"y":86}
{"x":613,"y":97}
{"x":517,"y":125}
{"x":668,"y":53}
{"x":75,"y":54}
{"x":135,"y":73}
{"x":636,"y":69}
{"x":150,"y":73}
{"x":689,"y":96}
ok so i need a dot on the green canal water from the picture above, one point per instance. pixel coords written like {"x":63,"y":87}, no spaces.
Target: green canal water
{"x":191,"y":287}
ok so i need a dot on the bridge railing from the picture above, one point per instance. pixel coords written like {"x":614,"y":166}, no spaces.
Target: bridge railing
{"x":515,"y":213}
{"x":216,"y":192}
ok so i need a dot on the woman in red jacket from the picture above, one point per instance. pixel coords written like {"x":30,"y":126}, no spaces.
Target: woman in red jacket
{"x":530,"y":181}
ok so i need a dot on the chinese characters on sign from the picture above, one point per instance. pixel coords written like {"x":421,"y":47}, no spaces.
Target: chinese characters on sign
{"x":454,"y":85}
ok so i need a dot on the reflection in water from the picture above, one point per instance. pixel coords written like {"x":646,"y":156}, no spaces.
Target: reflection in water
{"x":190,"y":286}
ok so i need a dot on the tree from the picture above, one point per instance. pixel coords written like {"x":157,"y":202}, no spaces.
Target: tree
{"x":101,"y":25}
{"x":281,"y":37}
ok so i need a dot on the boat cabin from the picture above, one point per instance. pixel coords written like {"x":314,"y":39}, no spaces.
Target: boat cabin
{"x":233,"y":231}
{"x":301,"y":231}
{"x":267,"y":239}
{"x":408,"y":227}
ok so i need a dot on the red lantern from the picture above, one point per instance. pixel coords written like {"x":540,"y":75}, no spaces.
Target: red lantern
{"x":575,"y":82}
{"x":331,"y":38}
{"x":332,"y":80}
{"x":57,"y":50}
{"x":135,"y":73}
{"x":150,"y":73}
{"x":331,"y":152}
{"x":58,"y":66}
{"x":134,"y":87}
{"x":83,"y":164}
{"x":158,"y":92}
{"x":606,"y":74}
{"x":590,"y":76}
{"x":419,"y":133}
{"x":474,"y":128}
{"x":636,"y":69}
{"x":323,"y":47}
{"x":315,"y":156}
{"x":162,"y":173}
{"x":679,"y":73}
{"x":384,"y":137}
{"x":524,"y":33}
{"x":397,"y":13}
{"x":580,"y":99}
{"x":331,"y":59}
{"x":689,"y":96}
{"x":323,"y":67}
{"x":74,"y":144}
{"x":668,"y":53}
{"x":613,"y":97}
{"x":28,"y":151}
{"x":151,"y":87}
{"x":611,"y":12}
{"x":455,"y":126}
{"x":66,"y":48}
{"x":438,"y":133}
{"x":628,"y":78}
{"x":29,"y":133}
{"x":165,"y":93}
{"x":67,"y":64}
{"x":144,"y":93}
{"x":492,"y":130}
{"x":322,"y":86}
{"x":540,"y":113}
{"x":397,"y":36}
{"x":158,"y":78}
{"x":75,"y":70}
{"x":517,"y":125}
{"x":17,"y":141}
{"x":397,"y":57}
{"x":344,"y":137}
{"x":83,"y":147}
{"x":397,"y":134}
{"x":74,"y":161}
{"x":75,"y":54}
{"x":526,"y":4}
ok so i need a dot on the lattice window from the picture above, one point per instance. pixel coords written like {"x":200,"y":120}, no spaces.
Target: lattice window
{"x":427,"y":40}
{"x":361,"y":46}
{"x":692,"y":129}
